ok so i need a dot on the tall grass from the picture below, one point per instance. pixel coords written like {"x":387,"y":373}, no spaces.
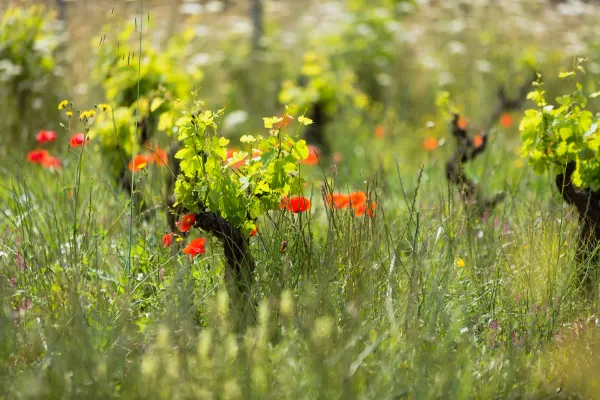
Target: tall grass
{"x":370,"y":308}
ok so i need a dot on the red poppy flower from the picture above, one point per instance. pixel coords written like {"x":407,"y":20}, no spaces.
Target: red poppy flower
{"x":138,"y":163}
{"x":338,"y":200}
{"x":462,"y":123}
{"x":357,"y":198}
{"x":379,"y":132}
{"x":506,"y":120}
{"x":195,"y":247}
{"x":37,"y":156}
{"x":371,"y":210}
{"x":158,"y":156}
{"x":361,"y":209}
{"x":430,"y":144}
{"x":478,"y":141}
{"x":186,"y":222}
{"x":313,"y":156}
{"x":77,"y":140}
{"x":254,"y":232}
{"x":167,"y":239}
{"x":45,"y":136}
{"x":295,"y":204}
{"x":51,"y":162}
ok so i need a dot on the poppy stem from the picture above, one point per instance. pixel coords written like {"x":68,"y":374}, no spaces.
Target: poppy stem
{"x":137,"y":118}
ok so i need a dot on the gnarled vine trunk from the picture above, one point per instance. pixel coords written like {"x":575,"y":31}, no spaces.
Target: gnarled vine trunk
{"x":239,"y":263}
{"x":467,"y":151}
{"x":587,"y":203}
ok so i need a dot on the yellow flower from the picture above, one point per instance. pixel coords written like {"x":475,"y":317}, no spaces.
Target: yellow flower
{"x":63,"y":104}
{"x":87,"y":114}
{"x":460,"y":262}
{"x":518,"y":163}
{"x":69,"y":113}
{"x":104,"y":107}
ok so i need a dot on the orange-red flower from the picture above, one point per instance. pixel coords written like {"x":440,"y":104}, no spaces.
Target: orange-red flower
{"x":186,"y":222}
{"x":37,"y":156}
{"x":338,"y":200}
{"x":195,"y":247}
{"x":462,"y":123}
{"x":430,"y":144}
{"x":138,"y":163}
{"x":77,"y":140}
{"x":159,"y":156}
{"x":295,"y":204}
{"x":361,"y":209}
{"x":506,"y":120}
{"x":379,"y":131}
{"x":45,"y":136}
{"x":51,"y":162}
{"x":313,"y":156}
{"x":478,"y":141}
{"x":357,"y":198}
{"x":254,"y":232}
{"x":167,"y":239}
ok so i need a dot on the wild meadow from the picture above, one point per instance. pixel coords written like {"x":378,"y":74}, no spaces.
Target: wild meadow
{"x":373,"y":199}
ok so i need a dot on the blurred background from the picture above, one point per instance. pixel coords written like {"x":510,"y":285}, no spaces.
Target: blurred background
{"x":374,"y":73}
{"x":400,"y":53}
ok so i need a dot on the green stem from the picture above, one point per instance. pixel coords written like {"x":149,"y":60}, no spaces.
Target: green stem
{"x":137,"y":117}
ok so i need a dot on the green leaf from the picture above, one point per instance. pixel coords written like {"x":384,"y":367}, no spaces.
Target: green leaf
{"x":564,"y":100}
{"x":563,"y":75}
{"x":269,"y":122}
{"x":594,"y":143}
{"x":565,"y":133}
{"x":290,"y":167}
{"x":262,"y":187}
{"x":187,"y":120}
{"x":304,"y":121}
{"x":247,"y":139}
{"x":265,"y":158}
{"x":156,"y":102}
{"x":586,"y":154}
{"x":300,"y":150}
{"x":537,"y":97}
{"x":184,"y":153}
{"x":223,"y":142}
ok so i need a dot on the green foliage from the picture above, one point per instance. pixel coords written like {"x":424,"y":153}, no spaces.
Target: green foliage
{"x":117,"y":67}
{"x":556,"y":134}
{"x":366,"y":45}
{"x":28,"y":61}
{"x":163,"y":88}
{"x":27,"y":46}
{"x":324,"y":85}
{"x":270,"y":168}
